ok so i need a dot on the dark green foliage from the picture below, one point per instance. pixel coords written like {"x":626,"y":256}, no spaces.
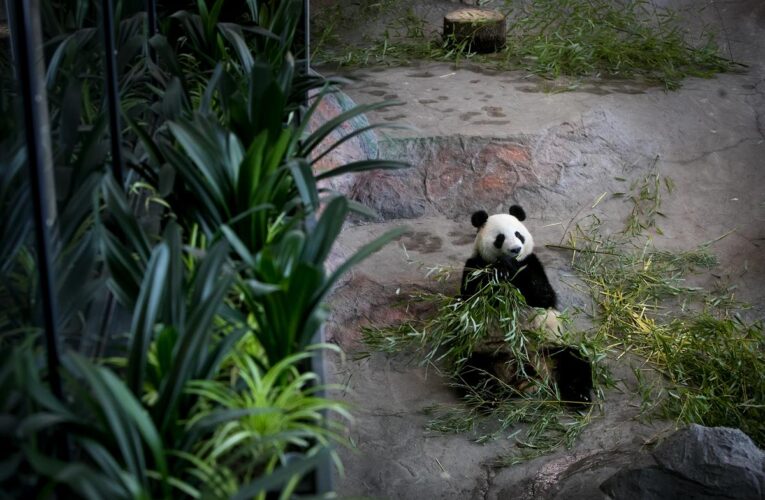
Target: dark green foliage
{"x":212,"y":251}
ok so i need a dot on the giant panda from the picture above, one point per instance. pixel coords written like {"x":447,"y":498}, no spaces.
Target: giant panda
{"x":505,"y":247}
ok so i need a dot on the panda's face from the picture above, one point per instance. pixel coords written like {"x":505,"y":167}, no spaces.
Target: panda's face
{"x":503,"y":235}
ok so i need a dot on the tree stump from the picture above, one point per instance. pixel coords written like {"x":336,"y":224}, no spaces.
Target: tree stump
{"x":483,"y":30}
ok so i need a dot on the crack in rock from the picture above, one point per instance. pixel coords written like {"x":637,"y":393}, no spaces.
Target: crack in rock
{"x":705,"y":154}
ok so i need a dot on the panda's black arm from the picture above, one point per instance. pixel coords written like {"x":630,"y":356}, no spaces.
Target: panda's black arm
{"x":533,"y":283}
{"x":469,"y":287}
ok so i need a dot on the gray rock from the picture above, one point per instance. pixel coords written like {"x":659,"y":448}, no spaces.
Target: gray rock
{"x":697,"y":462}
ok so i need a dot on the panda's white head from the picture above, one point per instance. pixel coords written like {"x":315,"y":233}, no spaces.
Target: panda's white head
{"x":502,"y":235}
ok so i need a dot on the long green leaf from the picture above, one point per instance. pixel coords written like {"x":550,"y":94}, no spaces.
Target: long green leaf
{"x":212,"y":85}
{"x":205,"y":154}
{"x":149,"y":304}
{"x":83,"y":479}
{"x":324,"y":234}
{"x":233,"y":33}
{"x":210,"y":285}
{"x":305,"y":183}
{"x":138,"y":417}
{"x":359,"y":256}
{"x":347,"y":137}
{"x":362,"y":166}
{"x":314,"y":139}
{"x":115,"y":422}
{"x":238,"y":245}
{"x":282,"y":475}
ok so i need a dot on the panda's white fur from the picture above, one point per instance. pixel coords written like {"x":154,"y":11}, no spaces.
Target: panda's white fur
{"x":546,"y":321}
{"x":510,"y":226}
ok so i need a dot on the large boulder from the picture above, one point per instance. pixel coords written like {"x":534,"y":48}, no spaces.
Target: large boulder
{"x":697,"y":462}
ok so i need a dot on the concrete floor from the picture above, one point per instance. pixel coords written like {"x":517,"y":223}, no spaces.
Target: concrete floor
{"x":481,"y":139}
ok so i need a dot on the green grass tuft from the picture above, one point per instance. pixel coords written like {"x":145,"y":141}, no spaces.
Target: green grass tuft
{"x":550,"y":38}
{"x":610,"y":39}
{"x":710,"y":359}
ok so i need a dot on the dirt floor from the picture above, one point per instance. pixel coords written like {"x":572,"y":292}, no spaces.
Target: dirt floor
{"x":485,"y":140}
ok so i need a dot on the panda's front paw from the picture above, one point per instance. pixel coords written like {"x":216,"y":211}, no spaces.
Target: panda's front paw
{"x":508,"y":264}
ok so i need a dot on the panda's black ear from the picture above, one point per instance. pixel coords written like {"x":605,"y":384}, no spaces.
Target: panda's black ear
{"x":479,"y":218}
{"x":517,"y":212}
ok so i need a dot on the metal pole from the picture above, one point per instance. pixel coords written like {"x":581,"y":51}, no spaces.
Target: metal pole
{"x":301,"y":47}
{"x":28,"y":45}
{"x":151,"y":13}
{"x":306,"y":26}
{"x":151,"y":19}
{"x":322,"y":475}
{"x":112,"y":91}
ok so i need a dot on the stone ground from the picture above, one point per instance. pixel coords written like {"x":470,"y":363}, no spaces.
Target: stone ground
{"x":481,"y":139}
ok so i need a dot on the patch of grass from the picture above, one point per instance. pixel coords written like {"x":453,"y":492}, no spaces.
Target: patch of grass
{"x":645,"y":195}
{"x":550,"y":38}
{"x":537,"y":425}
{"x":616,"y":40}
{"x":710,"y":359}
{"x":404,"y":38}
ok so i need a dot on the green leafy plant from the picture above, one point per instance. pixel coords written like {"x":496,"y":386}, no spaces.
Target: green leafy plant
{"x":213,"y":241}
{"x":118,"y":448}
{"x":277,"y":411}
{"x":284,"y":285}
{"x":137,"y":437}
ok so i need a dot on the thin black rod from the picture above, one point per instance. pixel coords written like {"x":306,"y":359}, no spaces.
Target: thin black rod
{"x":322,"y":475}
{"x":151,"y":14}
{"x":151,"y":20}
{"x":306,"y":27}
{"x":301,"y":47}
{"x":31,"y":77}
{"x":112,"y":90}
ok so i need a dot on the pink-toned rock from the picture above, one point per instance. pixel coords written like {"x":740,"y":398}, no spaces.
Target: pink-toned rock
{"x":452,"y":177}
{"x":361,"y":302}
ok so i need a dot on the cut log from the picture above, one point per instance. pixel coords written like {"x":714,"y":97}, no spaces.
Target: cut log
{"x":483,"y":30}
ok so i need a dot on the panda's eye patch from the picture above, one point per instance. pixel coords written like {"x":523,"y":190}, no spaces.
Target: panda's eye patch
{"x":499,"y":240}
{"x":520,"y":237}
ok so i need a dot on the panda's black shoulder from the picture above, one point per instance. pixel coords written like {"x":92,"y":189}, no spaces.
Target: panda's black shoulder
{"x":533,"y":283}
{"x":533,"y":264}
{"x":476,"y":262}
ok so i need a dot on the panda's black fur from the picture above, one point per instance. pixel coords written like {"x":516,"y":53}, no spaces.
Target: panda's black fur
{"x":483,"y":372}
{"x":528,"y":277}
{"x":572,"y":372}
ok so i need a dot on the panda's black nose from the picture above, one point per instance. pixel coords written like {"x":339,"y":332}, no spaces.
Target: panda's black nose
{"x":516,"y":250}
